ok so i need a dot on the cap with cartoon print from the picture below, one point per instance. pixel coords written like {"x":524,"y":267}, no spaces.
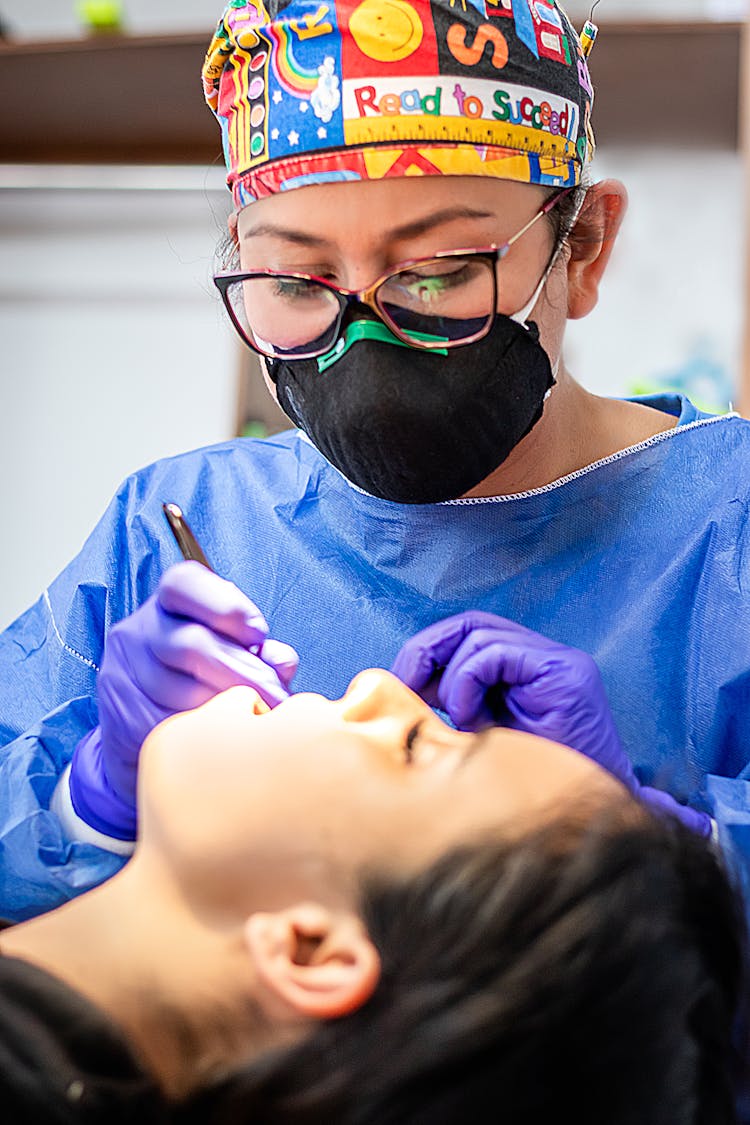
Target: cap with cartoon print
{"x":330,"y":91}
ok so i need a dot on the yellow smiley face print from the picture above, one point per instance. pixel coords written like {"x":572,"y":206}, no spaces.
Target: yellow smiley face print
{"x":386,"y":30}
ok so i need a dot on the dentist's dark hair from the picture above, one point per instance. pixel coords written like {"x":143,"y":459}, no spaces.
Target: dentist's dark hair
{"x":589,"y":972}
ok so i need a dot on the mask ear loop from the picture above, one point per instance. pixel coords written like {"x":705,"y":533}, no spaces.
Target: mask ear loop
{"x":521,"y":317}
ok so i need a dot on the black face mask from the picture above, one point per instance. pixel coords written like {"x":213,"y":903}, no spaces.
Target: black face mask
{"x":412,"y":426}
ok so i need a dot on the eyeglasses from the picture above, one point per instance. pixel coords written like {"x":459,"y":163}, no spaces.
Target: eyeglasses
{"x":442,"y":302}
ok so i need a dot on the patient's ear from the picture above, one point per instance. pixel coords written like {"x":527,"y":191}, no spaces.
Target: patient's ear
{"x":319,"y":963}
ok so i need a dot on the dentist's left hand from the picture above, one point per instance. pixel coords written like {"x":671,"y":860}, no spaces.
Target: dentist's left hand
{"x":485,"y":670}
{"x":194,"y":637}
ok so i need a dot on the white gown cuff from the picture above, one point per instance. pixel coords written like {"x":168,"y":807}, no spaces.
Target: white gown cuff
{"x":76,"y":829}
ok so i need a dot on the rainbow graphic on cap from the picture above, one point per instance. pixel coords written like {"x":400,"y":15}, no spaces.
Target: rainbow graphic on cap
{"x":295,"y":79}
{"x":325,"y":90}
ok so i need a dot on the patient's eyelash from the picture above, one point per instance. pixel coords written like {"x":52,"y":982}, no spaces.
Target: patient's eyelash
{"x":411,"y":738}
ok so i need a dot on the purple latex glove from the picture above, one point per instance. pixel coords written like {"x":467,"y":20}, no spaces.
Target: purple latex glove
{"x":196,"y":636}
{"x":484,"y":670}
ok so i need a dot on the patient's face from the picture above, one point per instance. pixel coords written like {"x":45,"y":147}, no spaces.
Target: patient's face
{"x":298,"y":800}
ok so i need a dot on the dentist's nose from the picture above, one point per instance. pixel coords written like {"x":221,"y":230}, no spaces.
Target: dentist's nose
{"x":377,"y":694}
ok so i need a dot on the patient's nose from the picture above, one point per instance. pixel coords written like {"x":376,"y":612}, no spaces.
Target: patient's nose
{"x":377,"y":694}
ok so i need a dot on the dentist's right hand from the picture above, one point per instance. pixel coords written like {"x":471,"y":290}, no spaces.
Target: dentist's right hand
{"x":194,"y":637}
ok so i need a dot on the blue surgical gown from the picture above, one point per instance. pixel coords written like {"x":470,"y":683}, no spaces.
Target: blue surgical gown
{"x":642,"y":559}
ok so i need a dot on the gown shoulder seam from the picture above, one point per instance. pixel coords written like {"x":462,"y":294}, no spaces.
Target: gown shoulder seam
{"x":629,"y":451}
{"x":63,"y":644}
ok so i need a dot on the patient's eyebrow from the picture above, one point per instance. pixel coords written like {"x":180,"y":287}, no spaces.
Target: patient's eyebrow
{"x":478,"y":743}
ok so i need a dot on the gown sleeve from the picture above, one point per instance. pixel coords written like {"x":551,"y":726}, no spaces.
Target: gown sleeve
{"x":729,"y":802}
{"x":49,"y":659}
{"x":721,"y":648}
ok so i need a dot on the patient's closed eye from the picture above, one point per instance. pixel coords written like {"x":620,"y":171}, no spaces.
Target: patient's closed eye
{"x":411,"y":738}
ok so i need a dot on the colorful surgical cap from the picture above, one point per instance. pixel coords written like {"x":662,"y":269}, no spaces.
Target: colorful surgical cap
{"x":328,"y":91}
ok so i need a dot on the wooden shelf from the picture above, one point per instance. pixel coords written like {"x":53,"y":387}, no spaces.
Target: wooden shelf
{"x":121,"y":99}
{"x":668,"y":83}
{"x":108,"y":99}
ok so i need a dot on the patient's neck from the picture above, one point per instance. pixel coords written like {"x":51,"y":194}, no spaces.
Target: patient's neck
{"x":179,"y":989}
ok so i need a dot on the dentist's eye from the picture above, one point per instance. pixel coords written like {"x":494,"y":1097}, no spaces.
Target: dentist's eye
{"x":411,"y":738}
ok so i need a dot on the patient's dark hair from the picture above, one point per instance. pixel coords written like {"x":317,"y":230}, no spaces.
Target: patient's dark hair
{"x":590,"y":973}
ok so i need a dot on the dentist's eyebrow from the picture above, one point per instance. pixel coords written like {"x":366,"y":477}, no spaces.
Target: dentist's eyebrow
{"x":436,"y":219}
{"x":406,"y":230}
{"x":287,"y":234}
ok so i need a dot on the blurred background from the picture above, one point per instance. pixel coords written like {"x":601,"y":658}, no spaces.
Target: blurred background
{"x":115,"y":351}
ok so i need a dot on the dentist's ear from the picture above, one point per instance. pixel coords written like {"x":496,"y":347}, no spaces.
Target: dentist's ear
{"x":591,"y":243}
{"x":311,"y":962}
{"x":232,"y":222}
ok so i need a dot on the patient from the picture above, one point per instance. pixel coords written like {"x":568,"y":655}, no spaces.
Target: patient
{"x":347,"y":912}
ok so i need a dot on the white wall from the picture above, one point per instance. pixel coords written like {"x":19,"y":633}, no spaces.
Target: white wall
{"x":671,"y":304}
{"x":578,"y":10}
{"x":114,"y":353}
{"x":51,"y":18}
